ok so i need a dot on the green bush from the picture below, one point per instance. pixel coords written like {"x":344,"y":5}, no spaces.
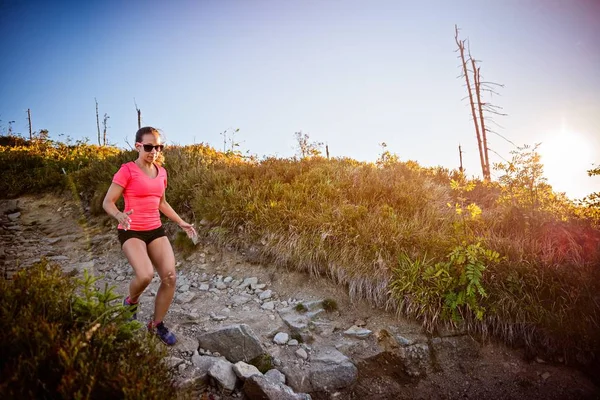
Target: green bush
{"x":66,"y":339}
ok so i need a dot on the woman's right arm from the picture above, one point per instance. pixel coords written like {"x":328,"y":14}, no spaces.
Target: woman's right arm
{"x":109,"y":204}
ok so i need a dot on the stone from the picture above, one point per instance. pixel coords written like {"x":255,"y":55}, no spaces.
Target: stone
{"x":275,"y":375}
{"x":302,"y":353}
{"x":281,"y":338}
{"x":546,"y":375}
{"x":228,"y":279}
{"x":184,"y":298}
{"x":203,"y":287}
{"x":222,"y":373}
{"x":357,"y":332}
{"x":173,"y":362}
{"x":269,"y":305}
{"x":239,"y":300}
{"x":186,"y":344}
{"x":259,"y":387}
{"x":183,"y":288}
{"x":293,"y":342}
{"x":245,"y":371}
{"x":331,"y":370}
{"x":14,"y":216}
{"x":248,"y":282}
{"x":234,"y":342}
{"x":265,"y":295}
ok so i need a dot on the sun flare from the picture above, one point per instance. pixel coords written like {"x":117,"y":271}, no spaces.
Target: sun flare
{"x":566,"y":156}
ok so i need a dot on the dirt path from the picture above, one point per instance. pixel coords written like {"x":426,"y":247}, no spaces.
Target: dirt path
{"x":54,"y":227}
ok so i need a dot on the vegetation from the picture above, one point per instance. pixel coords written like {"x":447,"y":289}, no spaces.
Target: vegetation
{"x":66,"y":339}
{"x":511,"y":258}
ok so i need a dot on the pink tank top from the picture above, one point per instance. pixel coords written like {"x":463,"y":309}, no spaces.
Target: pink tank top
{"x":142,"y":194}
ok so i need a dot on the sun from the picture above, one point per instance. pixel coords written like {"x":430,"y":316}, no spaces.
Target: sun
{"x":566,"y":156}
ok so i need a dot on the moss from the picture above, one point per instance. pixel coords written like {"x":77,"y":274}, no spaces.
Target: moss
{"x":301,"y":308}
{"x":330,"y":305}
{"x":264,"y":362}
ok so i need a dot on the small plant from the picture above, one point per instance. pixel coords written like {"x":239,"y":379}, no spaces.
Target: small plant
{"x":264,"y":362}
{"x":301,"y":308}
{"x":297,"y":336}
{"x":330,"y":305}
{"x":67,"y":339}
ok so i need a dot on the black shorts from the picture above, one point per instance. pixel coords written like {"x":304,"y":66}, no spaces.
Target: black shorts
{"x":146,"y":236}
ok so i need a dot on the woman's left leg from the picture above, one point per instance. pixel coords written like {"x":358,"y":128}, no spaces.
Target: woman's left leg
{"x":163,"y":259}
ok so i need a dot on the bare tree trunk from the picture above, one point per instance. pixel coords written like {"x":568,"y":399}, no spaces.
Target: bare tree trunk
{"x":461,"y":48}
{"x":104,"y":122}
{"x":98,"y":122}
{"x":139,"y":114}
{"x":29,"y":118}
{"x":327,"y":150}
{"x":460,"y":155}
{"x":477,"y":78}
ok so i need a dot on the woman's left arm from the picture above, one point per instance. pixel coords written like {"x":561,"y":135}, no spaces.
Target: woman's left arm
{"x":168,"y":211}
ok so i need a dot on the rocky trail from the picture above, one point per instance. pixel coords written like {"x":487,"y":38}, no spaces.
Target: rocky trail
{"x":229,"y":310}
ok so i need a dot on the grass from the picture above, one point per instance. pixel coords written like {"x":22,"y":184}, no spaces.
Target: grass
{"x":419,"y":241}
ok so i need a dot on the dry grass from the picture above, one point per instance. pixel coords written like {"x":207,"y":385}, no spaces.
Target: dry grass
{"x":376,"y":229}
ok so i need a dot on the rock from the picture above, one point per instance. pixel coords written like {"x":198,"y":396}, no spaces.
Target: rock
{"x":416,"y":359}
{"x":221,"y":286}
{"x":258,"y":286}
{"x":292,"y":342}
{"x":321,"y":328}
{"x":249,"y":281}
{"x":184,"y":298}
{"x":183,"y":288}
{"x":235,"y":342}
{"x":302,"y":354}
{"x":260,"y":388}
{"x":297,"y":322}
{"x":245,"y":371}
{"x":173,"y":362}
{"x":186,"y":344}
{"x":14,"y":216}
{"x":331,"y":370}
{"x":203,"y":287}
{"x":281,"y":338}
{"x":228,"y":279}
{"x":239,"y":300}
{"x":360,"y":322}
{"x":265,"y":295}
{"x":269,"y":305}
{"x":222,"y":372}
{"x":275,"y":376}
{"x":203,"y":363}
{"x":215,"y":317}
{"x":357,"y":332}
{"x":546,"y":375}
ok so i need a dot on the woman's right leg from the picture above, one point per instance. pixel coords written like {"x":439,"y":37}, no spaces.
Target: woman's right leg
{"x":137,"y":254}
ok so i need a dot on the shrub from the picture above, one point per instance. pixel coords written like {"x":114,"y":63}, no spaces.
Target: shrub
{"x":66,"y":339}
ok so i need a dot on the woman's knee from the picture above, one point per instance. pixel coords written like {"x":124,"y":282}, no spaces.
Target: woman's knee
{"x":169,"y":279}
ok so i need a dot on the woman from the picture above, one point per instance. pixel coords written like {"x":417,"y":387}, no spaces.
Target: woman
{"x":143,"y":239}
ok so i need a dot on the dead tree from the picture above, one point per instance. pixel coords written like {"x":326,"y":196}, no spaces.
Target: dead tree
{"x":478,"y":106}
{"x":29,"y":118}
{"x":139,"y":114}
{"x":98,"y":122}
{"x":105,"y":123}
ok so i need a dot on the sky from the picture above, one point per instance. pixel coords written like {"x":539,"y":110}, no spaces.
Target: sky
{"x":352,"y":74}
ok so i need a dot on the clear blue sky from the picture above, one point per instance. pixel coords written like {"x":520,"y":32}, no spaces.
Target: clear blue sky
{"x":352,"y":74}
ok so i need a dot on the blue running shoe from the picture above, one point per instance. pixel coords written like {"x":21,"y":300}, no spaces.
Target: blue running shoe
{"x":131,"y":307}
{"x":163,"y":333}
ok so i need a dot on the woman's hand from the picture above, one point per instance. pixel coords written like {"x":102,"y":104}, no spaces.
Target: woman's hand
{"x":188,"y":228}
{"x":123,"y":218}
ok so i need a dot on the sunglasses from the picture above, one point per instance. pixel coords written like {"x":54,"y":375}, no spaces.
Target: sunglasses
{"x":148,"y":147}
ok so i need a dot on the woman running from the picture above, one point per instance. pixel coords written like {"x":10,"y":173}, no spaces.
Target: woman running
{"x":143,"y":239}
